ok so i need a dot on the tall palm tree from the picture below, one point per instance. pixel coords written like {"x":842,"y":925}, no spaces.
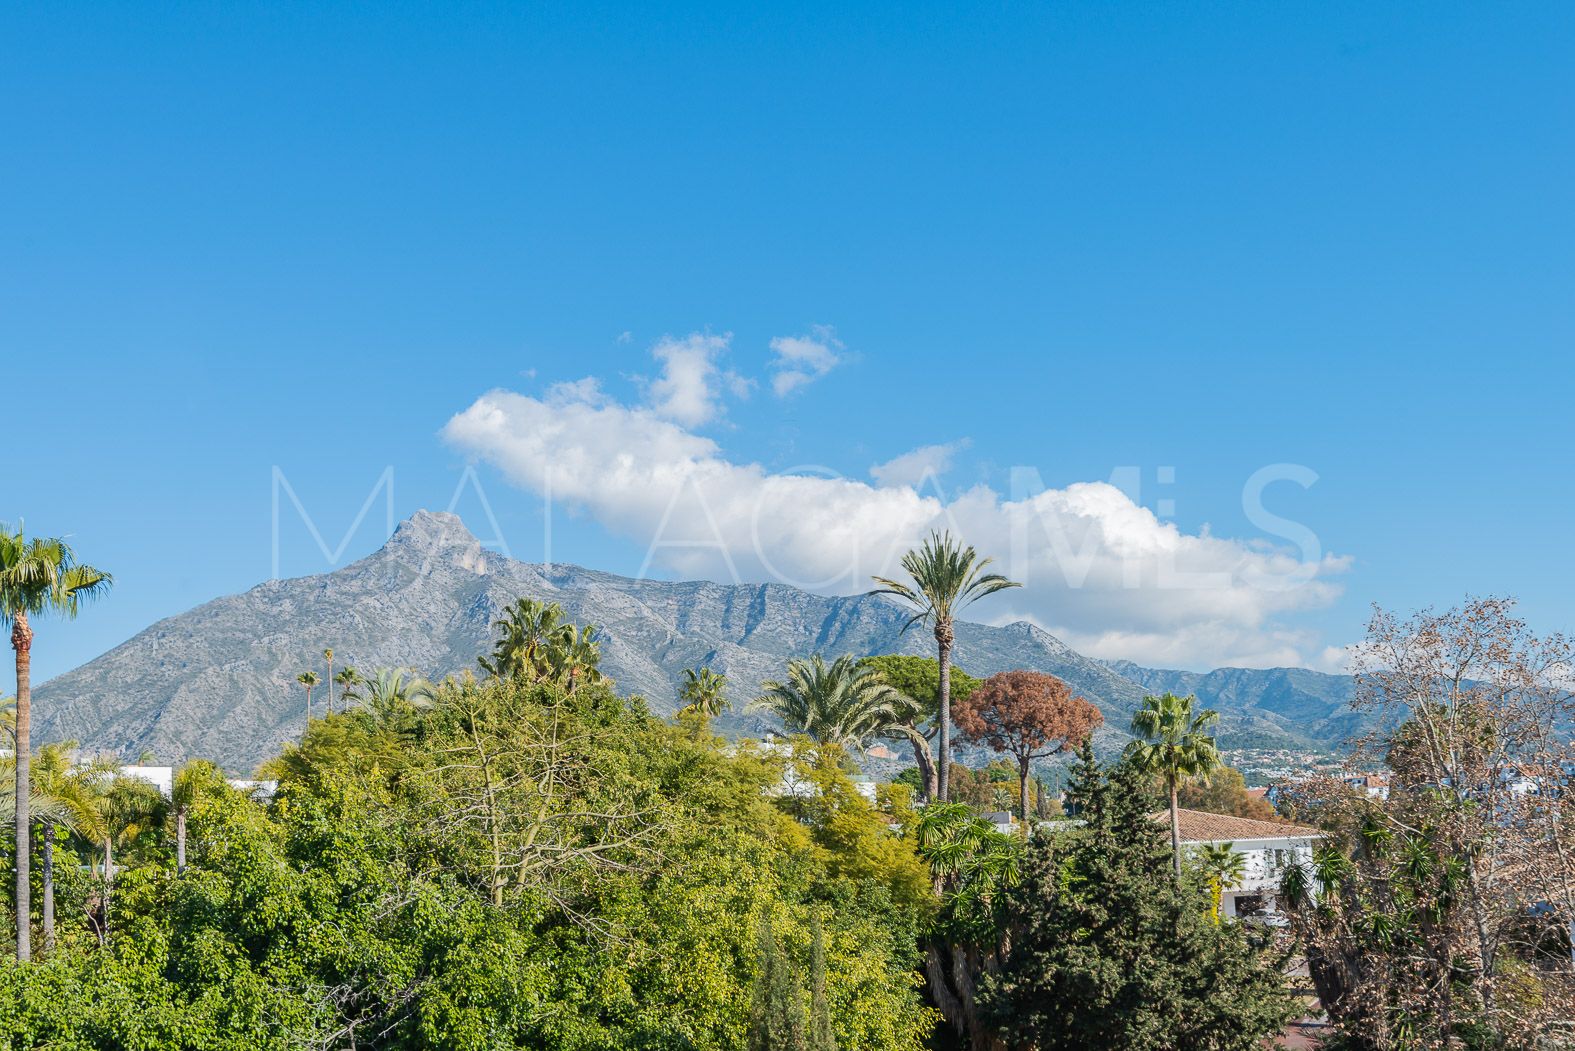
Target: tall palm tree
{"x":1222,"y":866}
{"x":945,"y":575}
{"x":1173,"y":743}
{"x":310,"y":680}
{"x":37,"y":577}
{"x":328,"y":655}
{"x":704,"y":693}
{"x":72,"y":791}
{"x":841,"y":703}
{"x":347,"y":679}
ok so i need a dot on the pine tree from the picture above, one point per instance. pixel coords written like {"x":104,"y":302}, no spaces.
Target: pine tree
{"x":821,"y":1037}
{"x":776,"y":1017}
{"x":1110,"y":952}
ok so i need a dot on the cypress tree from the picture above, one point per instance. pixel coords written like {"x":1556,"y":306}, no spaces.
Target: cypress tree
{"x":821,"y":1038}
{"x":776,"y":1015}
{"x":1110,"y":952}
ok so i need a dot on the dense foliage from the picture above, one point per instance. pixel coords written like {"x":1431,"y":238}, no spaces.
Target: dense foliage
{"x":1107,"y":951}
{"x":510,"y":864}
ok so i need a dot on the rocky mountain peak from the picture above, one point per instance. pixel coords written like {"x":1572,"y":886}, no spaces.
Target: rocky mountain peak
{"x":430,"y":537}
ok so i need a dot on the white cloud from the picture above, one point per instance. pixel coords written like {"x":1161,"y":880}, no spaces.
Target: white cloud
{"x":914,"y":466}
{"x":690,"y":388}
{"x":800,"y":360}
{"x":1099,"y":571}
{"x":1336,"y":660}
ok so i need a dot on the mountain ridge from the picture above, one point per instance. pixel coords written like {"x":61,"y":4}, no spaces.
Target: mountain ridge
{"x":219,"y":680}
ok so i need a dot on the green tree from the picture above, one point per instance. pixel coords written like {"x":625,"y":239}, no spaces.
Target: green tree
{"x":972,"y":865}
{"x":394,"y":692}
{"x":536,"y":643}
{"x":776,"y":1016}
{"x":192,"y":781}
{"x":944,"y":577}
{"x":575,"y":660}
{"x":69,"y":798}
{"x":1224,"y":791}
{"x":38,"y":576}
{"x":919,"y":678}
{"x":527,"y":633}
{"x":1172,"y":744}
{"x":821,"y":1037}
{"x":840,"y":703}
{"x":358,"y":906}
{"x":704,"y":693}
{"x":129,"y":809}
{"x":1094,"y":900}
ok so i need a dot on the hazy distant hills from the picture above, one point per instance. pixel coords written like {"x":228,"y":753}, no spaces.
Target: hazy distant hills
{"x":219,"y":680}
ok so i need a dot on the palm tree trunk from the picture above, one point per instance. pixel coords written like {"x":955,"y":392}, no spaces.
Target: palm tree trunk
{"x":943,"y":643}
{"x":921,"y":758}
{"x":22,"y":643}
{"x":1175,"y":829}
{"x":329,"y":684}
{"x":48,"y":908}
{"x":109,"y":880}
{"x":1022,"y":793}
{"x":180,"y":841}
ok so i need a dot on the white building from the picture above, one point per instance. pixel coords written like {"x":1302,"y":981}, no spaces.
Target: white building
{"x":160,"y":777}
{"x":1269,"y":848}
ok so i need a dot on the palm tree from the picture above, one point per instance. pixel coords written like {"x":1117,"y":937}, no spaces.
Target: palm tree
{"x":1173,"y":743}
{"x":310,"y":680}
{"x":946,"y":576}
{"x":129,"y":806}
{"x":704,"y":693}
{"x":328,"y":655}
{"x":392,"y":690}
{"x":70,"y":791}
{"x":841,"y":703}
{"x":526,"y":632}
{"x":574,"y":657}
{"x":192,"y":780}
{"x":1222,"y":866}
{"x":37,"y":577}
{"x":347,"y":679}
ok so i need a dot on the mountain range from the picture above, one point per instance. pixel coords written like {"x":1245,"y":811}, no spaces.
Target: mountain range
{"x":218,"y":681}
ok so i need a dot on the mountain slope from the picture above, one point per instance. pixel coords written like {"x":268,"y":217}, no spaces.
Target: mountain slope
{"x":219,"y":680}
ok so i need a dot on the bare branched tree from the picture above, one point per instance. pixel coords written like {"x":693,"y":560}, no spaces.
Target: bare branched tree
{"x":1442,"y":913}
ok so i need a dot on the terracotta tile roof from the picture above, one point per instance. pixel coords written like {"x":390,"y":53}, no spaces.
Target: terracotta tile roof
{"x":1198,"y":826}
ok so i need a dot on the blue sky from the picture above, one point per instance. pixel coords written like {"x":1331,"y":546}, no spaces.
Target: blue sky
{"x":1078,"y":238}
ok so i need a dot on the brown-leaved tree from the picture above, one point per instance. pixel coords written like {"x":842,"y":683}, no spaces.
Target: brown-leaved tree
{"x":1028,"y":715}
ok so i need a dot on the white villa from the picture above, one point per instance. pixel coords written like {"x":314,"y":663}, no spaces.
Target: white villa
{"x":1268,"y":846}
